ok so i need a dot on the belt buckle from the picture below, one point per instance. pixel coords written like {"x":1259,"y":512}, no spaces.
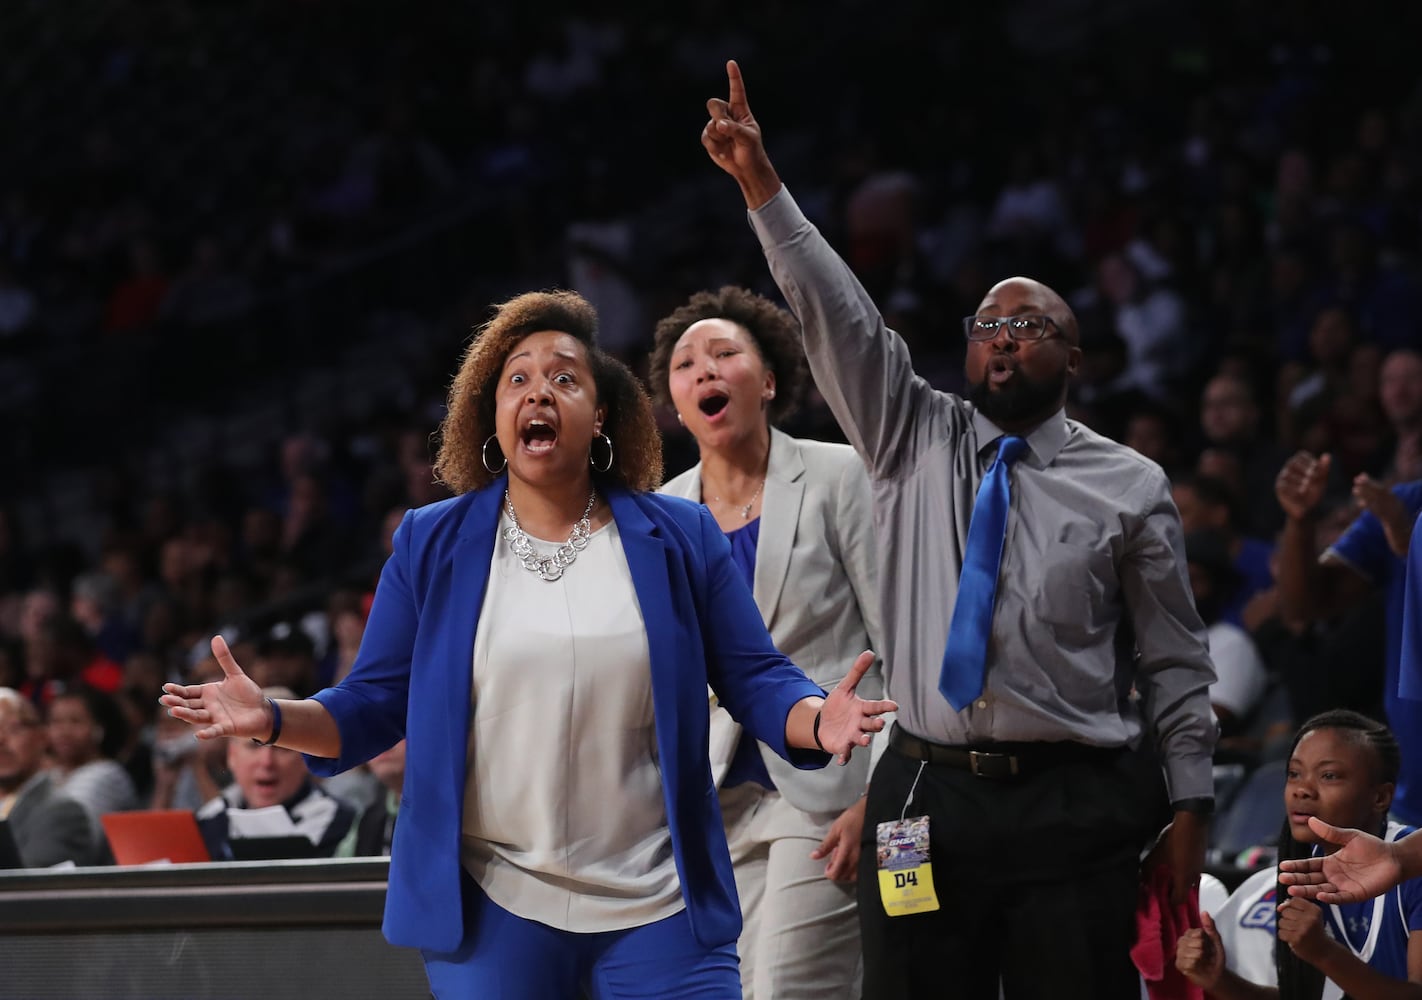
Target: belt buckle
{"x":977,"y":757}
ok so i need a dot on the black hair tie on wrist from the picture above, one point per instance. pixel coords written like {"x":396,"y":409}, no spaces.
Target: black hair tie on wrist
{"x":817,"y":733}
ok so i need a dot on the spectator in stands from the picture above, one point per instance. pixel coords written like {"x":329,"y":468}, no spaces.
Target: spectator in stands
{"x":374,"y":832}
{"x":311,"y":824}
{"x":286,"y":659}
{"x":345,"y":615}
{"x":63,"y":657}
{"x":1305,"y":655}
{"x":93,"y":603}
{"x":546,"y":437}
{"x":1240,"y":675}
{"x":1155,"y":433}
{"x":1369,"y":555}
{"x":85,"y":728}
{"x":1149,"y":318}
{"x":1206,"y":504}
{"x":48,"y":826}
{"x":1230,"y":420}
{"x":187,"y":772}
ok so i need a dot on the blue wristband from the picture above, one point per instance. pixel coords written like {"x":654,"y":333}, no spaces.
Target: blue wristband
{"x":276,"y":725}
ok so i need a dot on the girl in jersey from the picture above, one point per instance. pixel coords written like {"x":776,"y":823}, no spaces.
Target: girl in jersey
{"x":1265,"y":944}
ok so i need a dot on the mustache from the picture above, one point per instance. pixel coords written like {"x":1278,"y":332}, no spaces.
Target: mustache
{"x":1023,"y":398}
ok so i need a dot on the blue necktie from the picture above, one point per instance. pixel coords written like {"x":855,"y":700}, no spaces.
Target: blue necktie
{"x":966,"y":655}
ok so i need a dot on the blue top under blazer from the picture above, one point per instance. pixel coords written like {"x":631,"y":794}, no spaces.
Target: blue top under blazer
{"x":413,"y":673}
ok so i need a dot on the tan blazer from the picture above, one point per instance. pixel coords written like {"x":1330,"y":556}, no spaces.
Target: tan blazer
{"x":816,"y":589}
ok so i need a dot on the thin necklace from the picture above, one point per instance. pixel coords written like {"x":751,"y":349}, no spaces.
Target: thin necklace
{"x":745,"y":511}
{"x":548,"y":568}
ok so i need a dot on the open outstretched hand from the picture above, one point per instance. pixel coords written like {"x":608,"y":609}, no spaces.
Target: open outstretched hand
{"x":1364,"y":866}
{"x":733,"y":140}
{"x":847,"y":720}
{"x":233,"y":706}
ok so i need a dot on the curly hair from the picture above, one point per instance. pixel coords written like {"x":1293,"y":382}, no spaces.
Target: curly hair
{"x":774,"y":332}
{"x":469,"y":417}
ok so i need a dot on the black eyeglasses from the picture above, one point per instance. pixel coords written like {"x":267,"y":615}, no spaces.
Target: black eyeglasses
{"x":1025,"y":327}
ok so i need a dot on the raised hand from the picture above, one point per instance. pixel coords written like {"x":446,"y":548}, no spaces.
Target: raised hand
{"x":732,"y":139}
{"x":1390,"y":511}
{"x":847,"y":720}
{"x":233,"y":706}
{"x":841,"y":844}
{"x":1200,"y":954}
{"x":1301,"y":482}
{"x":1364,"y":866}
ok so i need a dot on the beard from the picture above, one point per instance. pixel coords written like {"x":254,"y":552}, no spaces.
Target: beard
{"x":1021,"y":399}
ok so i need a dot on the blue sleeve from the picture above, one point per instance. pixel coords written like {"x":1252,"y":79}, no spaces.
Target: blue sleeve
{"x":1364,"y":545}
{"x":369,"y":705}
{"x":755,"y":682}
{"x":1409,"y":678}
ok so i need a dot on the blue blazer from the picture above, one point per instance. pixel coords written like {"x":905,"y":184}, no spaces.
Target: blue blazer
{"x":413,"y":673}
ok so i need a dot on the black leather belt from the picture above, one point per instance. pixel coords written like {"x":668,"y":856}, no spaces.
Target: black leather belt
{"x":999,"y":761}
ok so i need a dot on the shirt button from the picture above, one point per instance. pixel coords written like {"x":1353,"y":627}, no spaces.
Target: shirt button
{"x":982,"y":703}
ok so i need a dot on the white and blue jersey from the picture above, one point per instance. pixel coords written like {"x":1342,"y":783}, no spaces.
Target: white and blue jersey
{"x":1376,"y":930}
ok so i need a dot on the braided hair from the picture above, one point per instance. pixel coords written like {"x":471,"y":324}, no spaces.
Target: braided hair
{"x":1298,"y":980}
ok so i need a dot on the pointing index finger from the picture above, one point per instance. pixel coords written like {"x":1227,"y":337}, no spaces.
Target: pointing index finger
{"x":738,"y":89}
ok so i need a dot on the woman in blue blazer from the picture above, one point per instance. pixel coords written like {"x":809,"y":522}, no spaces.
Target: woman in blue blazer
{"x":559,"y":828}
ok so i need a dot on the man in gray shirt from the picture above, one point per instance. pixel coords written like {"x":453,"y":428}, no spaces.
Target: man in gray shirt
{"x":1042,"y":785}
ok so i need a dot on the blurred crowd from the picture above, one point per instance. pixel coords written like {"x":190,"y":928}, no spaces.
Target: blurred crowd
{"x":241,"y":244}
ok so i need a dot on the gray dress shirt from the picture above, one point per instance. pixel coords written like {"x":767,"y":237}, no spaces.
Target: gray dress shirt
{"x":1094,"y":627}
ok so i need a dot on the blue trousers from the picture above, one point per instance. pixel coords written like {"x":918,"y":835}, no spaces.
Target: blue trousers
{"x":505,"y":957}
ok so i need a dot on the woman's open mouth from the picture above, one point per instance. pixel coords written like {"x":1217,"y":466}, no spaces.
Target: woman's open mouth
{"x":714,"y":405}
{"x":538,"y":437}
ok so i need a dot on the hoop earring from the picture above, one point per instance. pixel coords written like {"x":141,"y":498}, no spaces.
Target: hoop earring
{"x":601,"y":468}
{"x":484,"y":454}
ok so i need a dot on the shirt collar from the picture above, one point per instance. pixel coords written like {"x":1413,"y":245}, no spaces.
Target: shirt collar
{"x":1044,"y":441}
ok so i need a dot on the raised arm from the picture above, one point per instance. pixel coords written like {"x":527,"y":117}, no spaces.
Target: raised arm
{"x":1306,"y":587}
{"x":861,"y":366}
{"x":732,"y":138}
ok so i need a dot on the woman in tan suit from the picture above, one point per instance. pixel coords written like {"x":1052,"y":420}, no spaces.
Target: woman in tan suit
{"x":797,"y":514}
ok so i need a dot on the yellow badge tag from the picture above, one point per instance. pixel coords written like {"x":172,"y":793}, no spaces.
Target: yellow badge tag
{"x":905,"y":876}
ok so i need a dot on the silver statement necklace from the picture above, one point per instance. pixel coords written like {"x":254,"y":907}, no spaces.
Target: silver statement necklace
{"x":745,"y":511}
{"x":548,"y":568}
